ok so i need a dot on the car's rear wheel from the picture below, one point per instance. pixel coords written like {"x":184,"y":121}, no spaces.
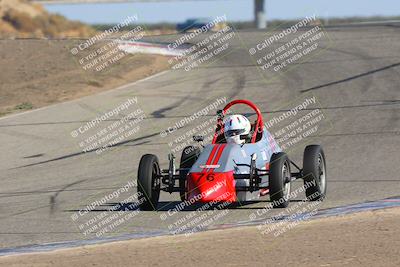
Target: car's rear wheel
{"x":279,"y":180}
{"x":189,"y":156}
{"x":148,"y":182}
{"x":314,"y":172}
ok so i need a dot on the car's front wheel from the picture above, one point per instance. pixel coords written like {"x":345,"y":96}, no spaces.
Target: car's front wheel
{"x":279,"y":180}
{"x":148,"y":182}
{"x":314,"y":172}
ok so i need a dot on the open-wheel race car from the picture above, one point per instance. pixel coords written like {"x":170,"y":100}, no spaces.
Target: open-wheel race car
{"x":242,"y":163}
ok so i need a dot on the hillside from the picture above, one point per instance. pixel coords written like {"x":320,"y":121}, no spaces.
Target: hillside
{"x":21,"y":18}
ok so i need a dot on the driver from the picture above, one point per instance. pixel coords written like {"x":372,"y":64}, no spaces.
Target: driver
{"x":234,"y":127}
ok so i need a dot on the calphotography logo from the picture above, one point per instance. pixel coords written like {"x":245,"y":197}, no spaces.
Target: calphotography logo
{"x":103,"y":49}
{"x":217,"y":44}
{"x":108,"y":130}
{"x":283,"y":49}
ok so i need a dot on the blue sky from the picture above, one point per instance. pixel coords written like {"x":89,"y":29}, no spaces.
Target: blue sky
{"x":236,"y":10}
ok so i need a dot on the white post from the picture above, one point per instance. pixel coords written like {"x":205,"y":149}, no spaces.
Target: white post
{"x":259,"y":14}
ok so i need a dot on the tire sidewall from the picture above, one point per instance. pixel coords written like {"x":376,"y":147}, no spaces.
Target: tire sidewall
{"x":150,"y":192}
{"x":311,"y":172}
{"x":276,"y":179}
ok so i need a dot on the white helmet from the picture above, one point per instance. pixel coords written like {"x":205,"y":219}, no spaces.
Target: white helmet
{"x":234,"y":127}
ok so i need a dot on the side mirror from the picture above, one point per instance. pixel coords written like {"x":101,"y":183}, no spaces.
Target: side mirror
{"x":198,"y":138}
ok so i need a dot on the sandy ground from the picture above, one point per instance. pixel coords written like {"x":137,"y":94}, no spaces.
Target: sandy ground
{"x":36,"y":73}
{"x":362,"y":239}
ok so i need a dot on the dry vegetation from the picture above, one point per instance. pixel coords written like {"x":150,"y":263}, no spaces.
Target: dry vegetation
{"x":41,"y":71}
{"x":20,"y":18}
{"x":44,"y":72}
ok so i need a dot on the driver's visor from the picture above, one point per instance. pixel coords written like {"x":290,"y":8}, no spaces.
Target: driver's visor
{"x":234,"y":132}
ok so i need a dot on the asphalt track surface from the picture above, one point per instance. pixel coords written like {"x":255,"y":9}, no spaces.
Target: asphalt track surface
{"x":46,"y":178}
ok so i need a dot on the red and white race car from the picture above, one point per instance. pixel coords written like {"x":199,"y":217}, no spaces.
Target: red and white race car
{"x":244,"y":169}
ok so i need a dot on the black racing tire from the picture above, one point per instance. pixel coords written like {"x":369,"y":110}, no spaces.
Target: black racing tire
{"x":279,"y":180}
{"x":314,"y":172}
{"x":189,"y":156}
{"x":148,"y":182}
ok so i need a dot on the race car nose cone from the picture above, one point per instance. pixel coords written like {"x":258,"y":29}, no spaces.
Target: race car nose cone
{"x":211,"y":187}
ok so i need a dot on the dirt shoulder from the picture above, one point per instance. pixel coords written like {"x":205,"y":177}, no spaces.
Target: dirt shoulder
{"x":362,"y":239}
{"x":36,"y":73}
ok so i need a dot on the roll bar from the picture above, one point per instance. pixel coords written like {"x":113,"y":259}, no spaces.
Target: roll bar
{"x":259,"y":122}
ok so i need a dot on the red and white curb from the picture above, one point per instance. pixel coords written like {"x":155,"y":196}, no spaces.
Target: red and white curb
{"x":164,"y":49}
